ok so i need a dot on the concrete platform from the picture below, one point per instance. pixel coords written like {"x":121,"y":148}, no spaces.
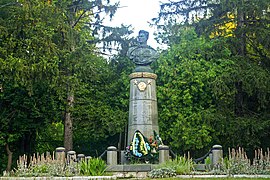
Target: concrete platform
{"x":131,"y":168}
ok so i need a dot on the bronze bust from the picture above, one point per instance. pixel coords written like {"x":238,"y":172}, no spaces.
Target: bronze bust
{"x":142,"y":54}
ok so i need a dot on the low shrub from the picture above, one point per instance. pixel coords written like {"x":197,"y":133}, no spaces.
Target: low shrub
{"x":239,"y":163}
{"x":47,"y":166}
{"x":181,"y":165}
{"x":41,"y":165}
{"x":92,"y":167}
{"x":162,"y":173}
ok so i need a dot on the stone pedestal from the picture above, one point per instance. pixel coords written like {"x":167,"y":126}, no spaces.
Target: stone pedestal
{"x":80,"y":157}
{"x":112,"y":155}
{"x":123,"y":159}
{"x":217,"y":155}
{"x":71,"y":157}
{"x":143,"y":114}
{"x":163,"y":153}
{"x":60,"y":154}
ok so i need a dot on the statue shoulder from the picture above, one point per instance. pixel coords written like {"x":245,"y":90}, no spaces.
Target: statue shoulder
{"x":152,"y":50}
{"x":131,"y":49}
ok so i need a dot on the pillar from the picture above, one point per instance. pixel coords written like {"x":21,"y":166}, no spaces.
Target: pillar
{"x":112,"y":155}
{"x":71,"y":157}
{"x":163,"y":153}
{"x":80,"y":157}
{"x":143,"y":114}
{"x":217,"y":155}
{"x":123,"y":159}
{"x":60,"y":154}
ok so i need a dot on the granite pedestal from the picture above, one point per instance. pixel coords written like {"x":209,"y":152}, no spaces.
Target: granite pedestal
{"x":143,"y":114}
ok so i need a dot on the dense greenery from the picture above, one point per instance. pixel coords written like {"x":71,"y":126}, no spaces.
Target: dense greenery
{"x":186,"y":90}
{"x":52,"y":77}
{"x":213,"y":80}
{"x":29,"y":69}
{"x":197,"y":95}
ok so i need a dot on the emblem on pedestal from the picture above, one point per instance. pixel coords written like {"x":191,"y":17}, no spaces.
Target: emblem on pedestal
{"x":142,"y":85}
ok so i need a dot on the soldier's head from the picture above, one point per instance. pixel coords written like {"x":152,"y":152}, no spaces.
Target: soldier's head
{"x":143,"y":36}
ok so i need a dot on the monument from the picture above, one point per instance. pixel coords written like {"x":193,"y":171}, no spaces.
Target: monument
{"x":143,"y":114}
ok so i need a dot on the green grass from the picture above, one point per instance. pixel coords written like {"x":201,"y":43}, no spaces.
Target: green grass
{"x":175,"y":178}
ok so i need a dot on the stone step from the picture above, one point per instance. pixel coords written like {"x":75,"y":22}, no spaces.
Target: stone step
{"x":131,"y":168}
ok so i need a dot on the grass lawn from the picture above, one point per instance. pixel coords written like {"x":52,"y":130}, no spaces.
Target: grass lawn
{"x":211,"y":178}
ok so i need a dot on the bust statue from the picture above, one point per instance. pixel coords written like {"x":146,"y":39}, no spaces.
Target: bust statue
{"x":142,"y":54}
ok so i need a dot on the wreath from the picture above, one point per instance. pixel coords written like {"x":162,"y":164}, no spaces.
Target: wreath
{"x":143,"y":149}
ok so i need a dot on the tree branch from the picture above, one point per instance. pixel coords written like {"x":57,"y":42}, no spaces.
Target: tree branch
{"x":79,"y":18}
{"x":255,"y":47}
{"x":8,"y":4}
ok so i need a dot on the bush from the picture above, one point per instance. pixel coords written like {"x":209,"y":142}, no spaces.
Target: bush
{"x":47,"y":166}
{"x":162,"y":173}
{"x":239,"y":163}
{"x":40,"y":165}
{"x":181,"y":165}
{"x":92,"y":167}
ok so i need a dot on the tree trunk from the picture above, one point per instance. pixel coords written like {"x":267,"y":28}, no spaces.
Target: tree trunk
{"x":68,"y":132}
{"x":26,"y":142}
{"x":242,"y":51}
{"x":9,"y":153}
{"x":239,"y":99}
{"x":239,"y":96}
{"x":68,"y":121}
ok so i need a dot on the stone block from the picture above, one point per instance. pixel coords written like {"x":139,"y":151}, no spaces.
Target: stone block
{"x":137,"y":168}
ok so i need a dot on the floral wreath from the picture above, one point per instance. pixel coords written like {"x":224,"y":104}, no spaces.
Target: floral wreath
{"x":142,"y":148}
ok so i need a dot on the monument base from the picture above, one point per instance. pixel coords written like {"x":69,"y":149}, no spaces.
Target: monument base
{"x":143,"y":114}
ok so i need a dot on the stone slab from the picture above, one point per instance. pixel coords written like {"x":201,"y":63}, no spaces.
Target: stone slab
{"x":131,"y":168}
{"x":115,"y":168}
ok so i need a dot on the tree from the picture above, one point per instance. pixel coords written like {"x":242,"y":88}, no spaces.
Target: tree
{"x":99,"y":114}
{"x":29,"y":66}
{"x":239,"y":115}
{"x":44,"y":57}
{"x":250,"y":21}
{"x":187,"y":75}
{"x":79,"y":26}
{"x":68,"y":59}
